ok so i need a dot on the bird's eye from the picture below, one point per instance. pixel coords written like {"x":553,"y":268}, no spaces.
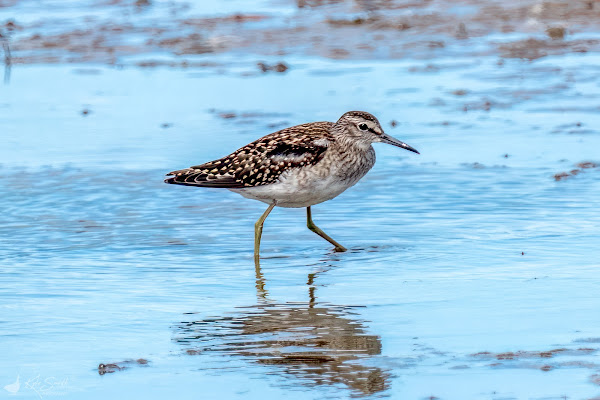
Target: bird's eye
{"x":363,"y":127}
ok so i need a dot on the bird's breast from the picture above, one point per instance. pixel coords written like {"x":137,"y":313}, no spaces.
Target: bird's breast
{"x":351,"y":166}
{"x":314,"y":184}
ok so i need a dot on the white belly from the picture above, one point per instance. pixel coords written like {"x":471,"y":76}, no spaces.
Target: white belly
{"x":290,"y":193}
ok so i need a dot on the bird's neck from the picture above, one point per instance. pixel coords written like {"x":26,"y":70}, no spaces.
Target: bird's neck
{"x":348,"y":142}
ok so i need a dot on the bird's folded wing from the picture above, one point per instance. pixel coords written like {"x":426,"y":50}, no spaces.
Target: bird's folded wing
{"x":259,"y":163}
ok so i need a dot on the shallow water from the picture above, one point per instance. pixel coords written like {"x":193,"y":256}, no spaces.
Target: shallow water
{"x":472,"y":273}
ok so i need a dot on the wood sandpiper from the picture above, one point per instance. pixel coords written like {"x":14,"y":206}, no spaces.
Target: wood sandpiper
{"x":297,"y":167}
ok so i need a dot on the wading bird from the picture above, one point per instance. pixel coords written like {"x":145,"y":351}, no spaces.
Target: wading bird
{"x":298,"y":166}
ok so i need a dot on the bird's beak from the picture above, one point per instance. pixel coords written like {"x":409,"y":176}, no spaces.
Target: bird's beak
{"x":385,"y":138}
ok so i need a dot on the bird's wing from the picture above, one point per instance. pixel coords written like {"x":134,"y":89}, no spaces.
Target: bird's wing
{"x":262,"y":161}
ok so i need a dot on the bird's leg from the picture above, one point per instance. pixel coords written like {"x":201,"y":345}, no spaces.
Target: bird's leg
{"x":258,"y":227}
{"x":311,"y":225}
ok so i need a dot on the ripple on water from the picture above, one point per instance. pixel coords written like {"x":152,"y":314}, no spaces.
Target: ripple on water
{"x":469,"y":267}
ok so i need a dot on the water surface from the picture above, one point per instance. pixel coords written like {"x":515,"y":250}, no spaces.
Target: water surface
{"x":471,"y":272}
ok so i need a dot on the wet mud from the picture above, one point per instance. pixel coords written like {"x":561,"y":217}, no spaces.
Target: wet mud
{"x":526,"y":30}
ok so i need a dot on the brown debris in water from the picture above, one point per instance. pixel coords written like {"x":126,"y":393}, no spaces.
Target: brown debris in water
{"x":533,"y":354}
{"x":587,"y":164}
{"x":351,"y":22}
{"x":211,"y":23}
{"x":110,"y":368}
{"x":556,"y":32}
{"x":227,"y":115}
{"x":249,"y":117}
{"x":530,"y":359}
{"x":560,"y":176}
{"x":11,"y":25}
{"x":484,"y":104}
{"x":532,"y":49}
{"x":580,"y":168}
{"x":279,"y":67}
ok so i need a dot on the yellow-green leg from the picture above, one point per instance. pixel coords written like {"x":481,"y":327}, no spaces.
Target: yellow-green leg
{"x":311,"y":225}
{"x":258,"y":227}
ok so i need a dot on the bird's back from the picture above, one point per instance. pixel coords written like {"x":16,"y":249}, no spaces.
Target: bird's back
{"x":263,"y":161}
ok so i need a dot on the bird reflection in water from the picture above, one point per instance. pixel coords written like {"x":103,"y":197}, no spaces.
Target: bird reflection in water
{"x":316,"y":342}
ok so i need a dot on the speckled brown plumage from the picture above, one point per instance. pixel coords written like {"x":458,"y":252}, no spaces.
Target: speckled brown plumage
{"x":262,"y":161}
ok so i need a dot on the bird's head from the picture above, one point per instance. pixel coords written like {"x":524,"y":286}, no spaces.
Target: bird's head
{"x":365,"y":128}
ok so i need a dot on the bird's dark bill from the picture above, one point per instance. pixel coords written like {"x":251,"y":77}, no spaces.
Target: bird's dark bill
{"x":395,"y":142}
